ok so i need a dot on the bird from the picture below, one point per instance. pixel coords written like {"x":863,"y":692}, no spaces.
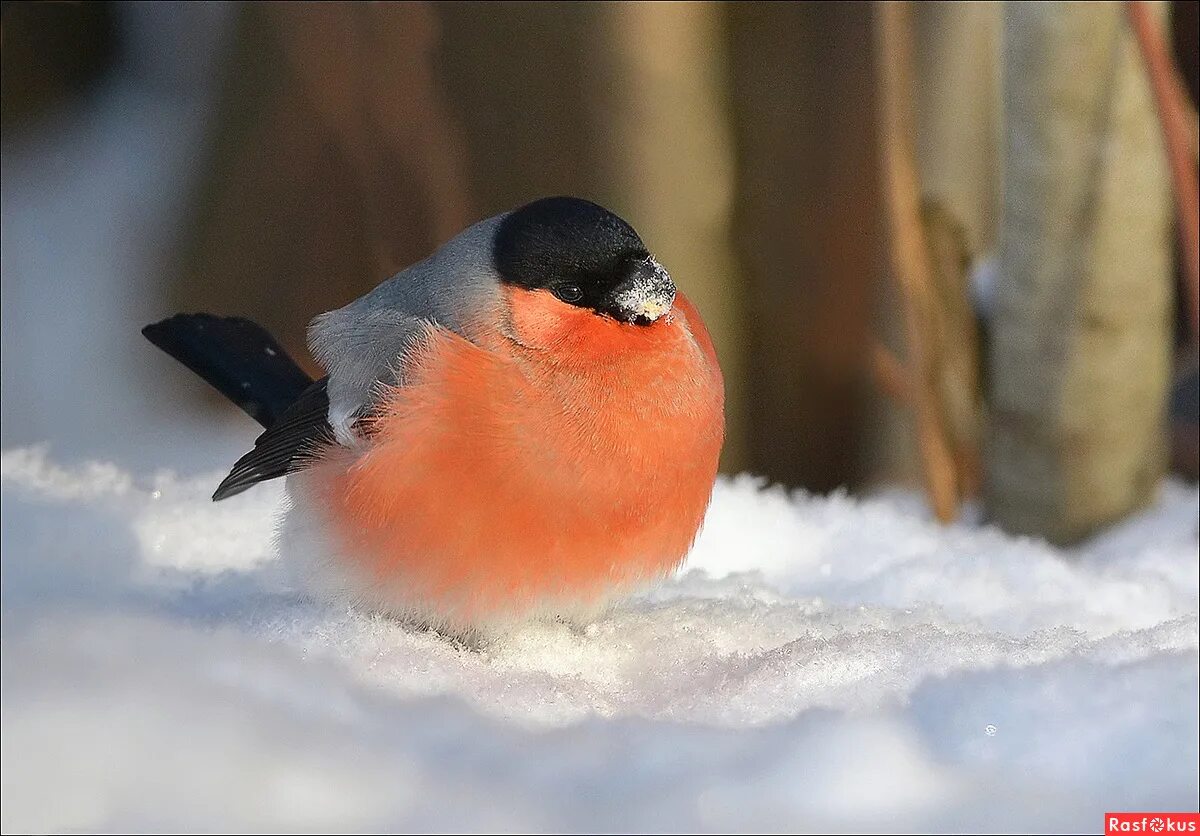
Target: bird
{"x":526,"y":425}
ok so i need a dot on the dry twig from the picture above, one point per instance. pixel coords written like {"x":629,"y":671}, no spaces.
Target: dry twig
{"x":1172,"y":117}
{"x":909,"y":249}
{"x":890,"y":375}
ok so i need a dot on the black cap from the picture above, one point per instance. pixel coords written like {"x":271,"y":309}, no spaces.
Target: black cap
{"x":583,"y":253}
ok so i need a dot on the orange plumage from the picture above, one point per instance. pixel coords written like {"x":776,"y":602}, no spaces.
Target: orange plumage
{"x":568,"y":458}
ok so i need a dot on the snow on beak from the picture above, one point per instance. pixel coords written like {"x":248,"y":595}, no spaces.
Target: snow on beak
{"x":646,"y":295}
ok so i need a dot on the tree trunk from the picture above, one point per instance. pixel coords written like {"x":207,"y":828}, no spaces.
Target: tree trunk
{"x":1080,"y":342}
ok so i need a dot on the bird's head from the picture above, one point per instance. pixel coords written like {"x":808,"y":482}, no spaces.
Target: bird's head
{"x":580,"y":258}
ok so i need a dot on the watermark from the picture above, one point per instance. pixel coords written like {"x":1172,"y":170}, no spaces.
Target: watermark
{"x":1151,"y":823}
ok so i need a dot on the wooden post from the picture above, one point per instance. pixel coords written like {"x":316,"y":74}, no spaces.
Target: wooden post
{"x":806,"y":227}
{"x":664,"y":152}
{"x":333,"y":162}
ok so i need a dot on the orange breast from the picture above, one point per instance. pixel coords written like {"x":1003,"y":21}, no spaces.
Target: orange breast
{"x":533,"y":476}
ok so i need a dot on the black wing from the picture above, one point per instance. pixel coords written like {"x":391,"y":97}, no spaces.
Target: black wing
{"x":287,"y":446}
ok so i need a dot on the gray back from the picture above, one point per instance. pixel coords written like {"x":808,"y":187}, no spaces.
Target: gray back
{"x":361,"y":344}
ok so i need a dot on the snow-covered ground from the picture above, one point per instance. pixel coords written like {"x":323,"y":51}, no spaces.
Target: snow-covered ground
{"x":823,"y":663}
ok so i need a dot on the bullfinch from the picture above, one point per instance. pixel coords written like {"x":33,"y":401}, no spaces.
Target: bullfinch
{"x":524,"y":425}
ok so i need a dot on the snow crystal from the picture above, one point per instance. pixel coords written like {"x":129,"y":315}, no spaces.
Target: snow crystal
{"x":821,"y":664}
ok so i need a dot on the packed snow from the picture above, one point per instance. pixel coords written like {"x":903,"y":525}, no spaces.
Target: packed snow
{"x":820,"y":663}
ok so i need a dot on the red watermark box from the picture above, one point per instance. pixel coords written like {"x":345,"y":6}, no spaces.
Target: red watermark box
{"x":1151,"y":823}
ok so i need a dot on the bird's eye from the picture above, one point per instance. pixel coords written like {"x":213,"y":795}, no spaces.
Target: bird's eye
{"x":569,"y":293}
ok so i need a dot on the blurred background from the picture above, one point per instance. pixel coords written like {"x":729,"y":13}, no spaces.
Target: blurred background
{"x":934,"y":244}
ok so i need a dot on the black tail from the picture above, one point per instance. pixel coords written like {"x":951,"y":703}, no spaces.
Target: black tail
{"x":245,"y":364}
{"x":238,"y":358}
